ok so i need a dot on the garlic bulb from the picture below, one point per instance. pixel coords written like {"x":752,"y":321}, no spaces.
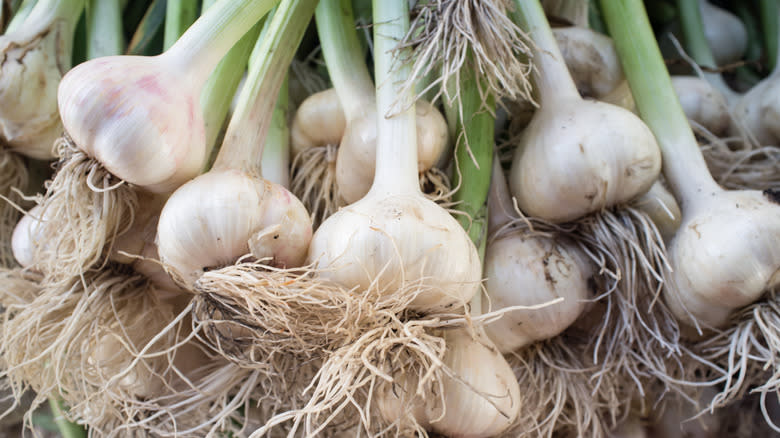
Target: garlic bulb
{"x":319,"y":121}
{"x":725,"y":33}
{"x":140,"y":116}
{"x":25,"y":237}
{"x":523,"y":269}
{"x":394,"y":238}
{"x":591,"y":59}
{"x":481,"y":397}
{"x":357,"y":151}
{"x":34,"y":58}
{"x":660,"y":205}
{"x":563,"y":168}
{"x":216,"y":218}
{"x":725,"y":253}
{"x":231,"y":210}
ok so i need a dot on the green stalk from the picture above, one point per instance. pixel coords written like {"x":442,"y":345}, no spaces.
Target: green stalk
{"x":683,"y":163}
{"x":769,"y":23}
{"x":179,"y":15}
{"x":222,"y":85}
{"x":693,"y":33}
{"x":66,"y":428}
{"x":248,"y":128}
{"x":276,"y":154}
{"x":755,"y":45}
{"x":21,"y":14}
{"x":149,"y":30}
{"x":104,"y":28}
{"x":474,"y":155}
{"x":344,"y":56}
{"x":206,"y":4}
{"x":396,"y":153}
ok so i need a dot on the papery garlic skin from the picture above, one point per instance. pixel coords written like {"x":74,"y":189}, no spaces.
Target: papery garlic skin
{"x":527,"y":271}
{"x":591,"y":59}
{"x":483,"y":401}
{"x":356,"y":160}
{"x":33,"y":62}
{"x":725,"y":33}
{"x":319,"y":121}
{"x":659,"y":204}
{"x":26,"y":236}
{"x":220,"y":216}
{"x":577,"y":157}
{"x":395,"y":242}
{"x":133,"y":117}
{"x":724,"y":256}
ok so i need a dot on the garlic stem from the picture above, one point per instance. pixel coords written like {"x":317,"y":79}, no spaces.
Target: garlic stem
{"x":104,"y":28}
{"x":179,"y":15}
{"x":247,"y":130}
{"x":499,"y":201}
{"x":552,"y":78}
{"x":20,"y":16}
{"x":219,"y":90}
{"x":215,"y":32}
{"x":276,"y":153}
{"x":770,"y":25}
{"x":344,"y":56}
{"x":697,"y":46}
{"x":46,"y":10}
{"x":683,"y":163}
{"x":396,"y":155}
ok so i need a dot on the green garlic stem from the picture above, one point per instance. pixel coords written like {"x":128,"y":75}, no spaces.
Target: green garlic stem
{"x":104,"y":28}
{"x":179,"y":15}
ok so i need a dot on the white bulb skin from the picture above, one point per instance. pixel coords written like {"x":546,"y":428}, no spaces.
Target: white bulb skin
{"x":758,"y":110}
{"x":486,"y":405}
{"x":659,"y":204}
{"x":725,"y":33}
{"x":591,"y":59}
{"x":396,"y":241}
{"x":33,"y":62}
{"x":214,"y":219}
{"x":318,"y":121}
{"x":356,"y":161}
{"x":702,"y":103}
{"x":526,"y":271}
{"x":25,"y":237}
{"x":724,"y":255}
{"x":139,"y":119}
{"x":577,"y":157}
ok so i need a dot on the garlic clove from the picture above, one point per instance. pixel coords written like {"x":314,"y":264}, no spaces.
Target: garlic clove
{"x":141,"y":121}
{"x":25,"y":238}
{"x":591,"y":59}
{"x":565,"y":166}
{"x":526,"y":271}
{"x":724,"y":256}
{"x":660,"y":205}
{"x":399,"y":242}
{"x":319,"y":121}
{"x":702,"y":103}
{"x":357,"y":152}
{"x":208,"y":223}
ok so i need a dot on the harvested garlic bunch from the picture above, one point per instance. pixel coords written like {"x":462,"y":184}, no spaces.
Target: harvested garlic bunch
{"x":480,"y":398}
{"x":394,"y":239}
{"x":563,"y":168}
{"x":35,"y":56}
{"x":523,"y":269}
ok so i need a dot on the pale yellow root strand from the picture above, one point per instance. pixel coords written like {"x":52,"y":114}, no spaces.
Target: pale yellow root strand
{"x":737,"y":167}
{"x":95,"y":343}
{"x":251,"y":311}
{"x":13,"y":175}
{"x":344,"y":389}
{"x":84,"y":209}
{"x":313,"y":181}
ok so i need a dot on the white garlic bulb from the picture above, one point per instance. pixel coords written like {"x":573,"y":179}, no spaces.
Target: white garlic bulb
{"x":319,"y":121}
{"x":220,"y":216}
{"x":725,"y":33}
{"x":591,"y":59}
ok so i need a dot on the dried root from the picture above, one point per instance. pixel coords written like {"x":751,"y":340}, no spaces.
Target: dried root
{"x":561,"y":396}
{"x":84,"y":209}
{"x":13,"y":175}
{"x":96,"y":343}
{"x":745,"y":357}
{"x":734,"y":165}
{"x":18,"y":287}
{"x":449,"y":35}
{"x":314,"y":182}
{"x":345,"y":389}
